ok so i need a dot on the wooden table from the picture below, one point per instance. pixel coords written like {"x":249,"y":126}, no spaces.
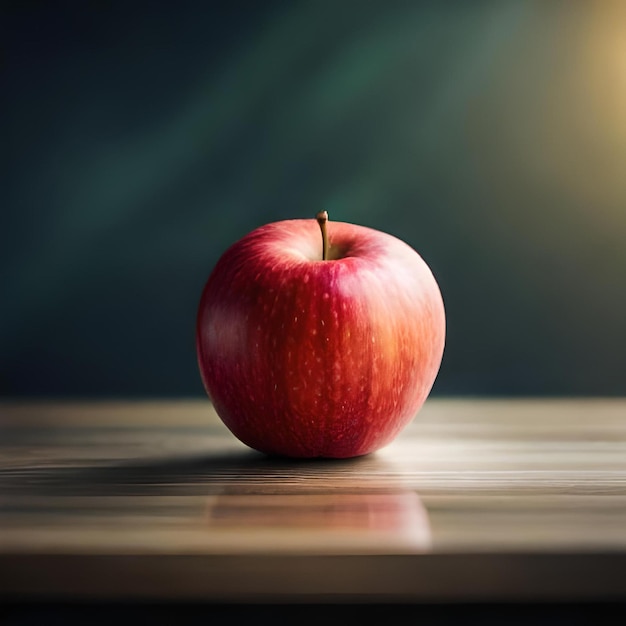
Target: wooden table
{"x":478,"y":500}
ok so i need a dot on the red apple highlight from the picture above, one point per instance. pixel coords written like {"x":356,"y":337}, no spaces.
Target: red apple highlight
{"x":319,"y":339}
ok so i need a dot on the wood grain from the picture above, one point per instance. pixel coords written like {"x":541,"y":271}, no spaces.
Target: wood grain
{"x":477,"y":499}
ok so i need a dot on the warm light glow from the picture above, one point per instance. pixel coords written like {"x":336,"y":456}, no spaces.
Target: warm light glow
{"x":604,"y":66}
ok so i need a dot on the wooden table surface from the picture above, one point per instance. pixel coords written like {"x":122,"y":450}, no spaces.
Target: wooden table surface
{"x":477,"y":500}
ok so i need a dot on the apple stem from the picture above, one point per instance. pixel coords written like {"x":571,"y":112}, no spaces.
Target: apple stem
{"x":322,"y":218}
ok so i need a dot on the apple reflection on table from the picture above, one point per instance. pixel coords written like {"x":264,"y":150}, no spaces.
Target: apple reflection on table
{"x":341,"y":512}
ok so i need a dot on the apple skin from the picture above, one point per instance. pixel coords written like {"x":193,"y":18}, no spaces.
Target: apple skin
{"x":303,"y":357}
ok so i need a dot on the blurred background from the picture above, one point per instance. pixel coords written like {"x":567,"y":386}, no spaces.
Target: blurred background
{"x":141,"y":139}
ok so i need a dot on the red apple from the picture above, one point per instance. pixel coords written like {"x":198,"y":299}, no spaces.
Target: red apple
{"x":319,"y":339}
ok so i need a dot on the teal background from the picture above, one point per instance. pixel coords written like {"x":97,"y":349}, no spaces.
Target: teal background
{"x":139,"y":140}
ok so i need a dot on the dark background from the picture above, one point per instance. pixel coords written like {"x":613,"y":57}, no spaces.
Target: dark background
{"x":140,"y":139}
